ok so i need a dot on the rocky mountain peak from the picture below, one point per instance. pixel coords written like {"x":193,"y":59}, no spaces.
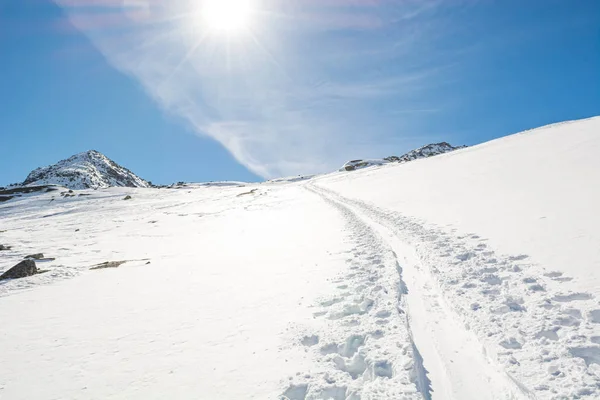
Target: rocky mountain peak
{"x":87,"y":170}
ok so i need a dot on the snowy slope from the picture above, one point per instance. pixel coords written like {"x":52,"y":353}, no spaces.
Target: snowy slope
{"x":508,"y":231}
{"x":86,"y":170}
{"x":470,"y":275}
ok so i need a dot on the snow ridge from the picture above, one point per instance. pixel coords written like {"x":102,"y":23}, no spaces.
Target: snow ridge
{"x":426,"y":151}
{"x":88,"y":170}
{"x":429,"y":150}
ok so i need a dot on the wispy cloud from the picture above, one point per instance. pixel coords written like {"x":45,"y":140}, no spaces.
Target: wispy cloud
{"x":314,"y":83}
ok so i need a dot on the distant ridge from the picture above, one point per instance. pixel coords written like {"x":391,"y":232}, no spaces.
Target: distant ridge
{"x":426,"y":151}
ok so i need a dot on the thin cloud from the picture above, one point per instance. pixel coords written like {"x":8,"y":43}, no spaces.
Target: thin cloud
{"x":291,"y":96}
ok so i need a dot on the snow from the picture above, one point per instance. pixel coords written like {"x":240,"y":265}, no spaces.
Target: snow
{"x":470,"y":275}
{"x":291,"y":179}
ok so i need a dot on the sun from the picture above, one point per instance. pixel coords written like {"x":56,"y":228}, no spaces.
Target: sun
{"x":226,"y":16}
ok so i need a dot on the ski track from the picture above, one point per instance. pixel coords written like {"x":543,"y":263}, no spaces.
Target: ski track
{"x":364,"y":348}
{"x":535,"y":340}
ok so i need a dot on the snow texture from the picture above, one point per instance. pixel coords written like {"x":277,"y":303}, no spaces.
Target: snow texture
{"x":470,"y":275}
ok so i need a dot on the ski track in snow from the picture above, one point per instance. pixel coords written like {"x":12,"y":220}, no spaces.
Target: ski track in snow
{"x":364,"y":349}
{"x":499,"y":327}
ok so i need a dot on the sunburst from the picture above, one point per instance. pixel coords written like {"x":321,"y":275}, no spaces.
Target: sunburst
{"x":226,"y":16}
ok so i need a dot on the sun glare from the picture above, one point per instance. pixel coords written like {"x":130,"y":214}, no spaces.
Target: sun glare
{"x":229,"y":16}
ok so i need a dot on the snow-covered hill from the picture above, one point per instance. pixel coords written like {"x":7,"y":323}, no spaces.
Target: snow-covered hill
{"x":88,"y":170}
{"x":470,"y":276}
{"x":426,"y":151}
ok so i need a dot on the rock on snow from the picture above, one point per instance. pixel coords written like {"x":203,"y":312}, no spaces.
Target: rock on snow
{"x":426,"y":151}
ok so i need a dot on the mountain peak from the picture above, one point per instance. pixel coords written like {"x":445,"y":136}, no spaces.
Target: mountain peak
{"x":88,"y":170}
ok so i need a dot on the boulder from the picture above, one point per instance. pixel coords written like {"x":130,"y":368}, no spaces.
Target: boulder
{"x":21,"y":270}
{"x":36,"y":256}
{"x":109,"y":264}
{"x":3,"y":247}
{"x":128,"y":197}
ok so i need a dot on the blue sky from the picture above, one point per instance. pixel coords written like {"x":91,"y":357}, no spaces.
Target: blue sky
{"x":309,"y":85}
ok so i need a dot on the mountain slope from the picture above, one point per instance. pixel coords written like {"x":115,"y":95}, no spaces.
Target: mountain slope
{"x":506,"y":234}
{"x":470,"y":276}
{"x":88,"y":170}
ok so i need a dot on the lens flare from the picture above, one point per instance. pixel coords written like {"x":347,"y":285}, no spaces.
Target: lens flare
{"x":226,"y":16}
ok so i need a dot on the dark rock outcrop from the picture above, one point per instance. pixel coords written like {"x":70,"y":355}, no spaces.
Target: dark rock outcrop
{"x":429,"y":150}
{"x":426,"y":151}
{"x":18,"y":191}
{"x":36,"y":256}
{"x":21,"y":270}
{"x":109,"y":264}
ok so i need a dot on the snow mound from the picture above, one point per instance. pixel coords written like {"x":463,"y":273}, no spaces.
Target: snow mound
{"x":88,"y":170}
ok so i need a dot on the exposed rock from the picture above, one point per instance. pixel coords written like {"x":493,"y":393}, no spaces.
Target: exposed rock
{"x":39,"y":256}
{"x":245,"y":193}
{"x":3,"y":247}
{"x":358,"y":164}
{"x":128,"y":197}
{"x":429,"y":150}
{"x":21,"y":270}
{"x":35,"y":256}
{"x":26,"y":189}
{"x":426,"y":151}
{"x":109,"y":264}
{"x":17,"y":191}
